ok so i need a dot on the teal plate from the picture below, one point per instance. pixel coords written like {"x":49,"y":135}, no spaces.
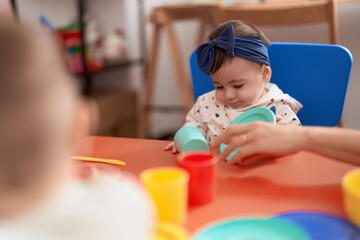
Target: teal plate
{"x":252,"y":115}
{"x":252,"y":228}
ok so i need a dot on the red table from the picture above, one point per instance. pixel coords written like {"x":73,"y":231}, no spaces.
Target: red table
{"x":303,"y":181}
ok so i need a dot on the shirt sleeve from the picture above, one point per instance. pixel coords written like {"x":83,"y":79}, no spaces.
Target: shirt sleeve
{"x":194,"y":118}
{"x":287,"y":114}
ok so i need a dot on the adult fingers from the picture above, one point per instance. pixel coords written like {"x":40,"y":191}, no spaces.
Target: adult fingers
{"x":236,"y":142}
{"x":244,"y":152}
{"x":282,"y":123}
{"x":230,"y":133}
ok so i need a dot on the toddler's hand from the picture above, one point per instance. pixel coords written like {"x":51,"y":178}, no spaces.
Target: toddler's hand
{"x":280,"y":121}
{"x":171,"y":146}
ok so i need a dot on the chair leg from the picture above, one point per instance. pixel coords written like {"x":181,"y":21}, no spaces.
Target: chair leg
{"x":182,"y":82}
{"x":340,"y":123}
{"x":148,"y":89}
{"x":334,"y":23}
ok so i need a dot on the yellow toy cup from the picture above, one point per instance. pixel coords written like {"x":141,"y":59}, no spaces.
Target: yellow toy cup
{"x":170,"y":231}
{"x":169,"y":189}
{"x":351,"y":190}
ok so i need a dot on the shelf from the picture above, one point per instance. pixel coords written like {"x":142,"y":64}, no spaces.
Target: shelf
{"x":89,"y":72}
{"x":116,"y":65}
{"x":123,"y":63}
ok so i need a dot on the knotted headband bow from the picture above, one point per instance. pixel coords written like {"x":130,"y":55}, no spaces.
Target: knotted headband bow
{"x":248,"y":47}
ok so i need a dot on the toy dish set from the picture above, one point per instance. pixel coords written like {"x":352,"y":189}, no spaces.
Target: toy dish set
{"x":202,"y":168}
{"x":170,"y":231}
{"x":351,"y":193}
{"x":252,"y":115}
{"x":190,"y":138}
{"x":320,"y":225}
{"x":252,"y":228}
{"x":292,"y":225}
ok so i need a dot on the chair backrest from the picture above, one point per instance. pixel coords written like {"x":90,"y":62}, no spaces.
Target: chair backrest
{"x":287,"y":13}
{"x":316,"y":75}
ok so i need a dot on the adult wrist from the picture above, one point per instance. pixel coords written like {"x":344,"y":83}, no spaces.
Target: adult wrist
{"x":308,"y":138}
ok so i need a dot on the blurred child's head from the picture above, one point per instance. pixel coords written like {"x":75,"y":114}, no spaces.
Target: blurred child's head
{"x":240,"y":73}
{"x":39,"y":110}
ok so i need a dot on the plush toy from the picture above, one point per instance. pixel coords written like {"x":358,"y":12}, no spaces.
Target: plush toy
{"x":114,"y":46}
{"x":107,"y":48}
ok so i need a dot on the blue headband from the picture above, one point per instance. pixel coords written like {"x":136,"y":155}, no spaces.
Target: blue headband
{"x":248,"y":47}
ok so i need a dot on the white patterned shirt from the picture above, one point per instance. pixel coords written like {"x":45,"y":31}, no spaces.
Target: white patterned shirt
{"x":212,"y":117}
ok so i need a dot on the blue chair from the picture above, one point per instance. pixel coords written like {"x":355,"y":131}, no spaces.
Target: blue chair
{"x":316,"y":75}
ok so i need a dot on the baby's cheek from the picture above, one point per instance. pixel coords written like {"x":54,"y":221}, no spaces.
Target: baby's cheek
{"x":248,"y":98}
{"x":219,"y":96}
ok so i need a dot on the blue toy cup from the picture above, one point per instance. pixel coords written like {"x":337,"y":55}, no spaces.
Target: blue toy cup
{"x":190,"y":138}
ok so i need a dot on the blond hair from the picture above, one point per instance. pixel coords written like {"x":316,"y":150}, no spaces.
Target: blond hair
{"x":36,"y":102}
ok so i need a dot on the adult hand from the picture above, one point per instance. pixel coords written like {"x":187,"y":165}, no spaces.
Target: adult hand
{"x":259,"y":138}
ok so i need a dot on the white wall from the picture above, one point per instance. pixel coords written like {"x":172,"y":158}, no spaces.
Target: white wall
{"x":59,"y":13}
{"x":349,"y":18}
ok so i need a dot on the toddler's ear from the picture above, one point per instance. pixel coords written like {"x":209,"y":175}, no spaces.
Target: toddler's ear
{"x":266,"y":71}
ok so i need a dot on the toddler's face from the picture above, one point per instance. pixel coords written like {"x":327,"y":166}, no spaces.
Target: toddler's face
{"x":240,"y":83}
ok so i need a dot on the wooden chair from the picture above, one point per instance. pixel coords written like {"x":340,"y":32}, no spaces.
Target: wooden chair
{"x":163,"y":19}
{"x":262,"y":14}
{"x":282,"y":14}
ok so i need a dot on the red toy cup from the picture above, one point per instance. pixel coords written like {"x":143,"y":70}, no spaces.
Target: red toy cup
{"x":202,"y":168}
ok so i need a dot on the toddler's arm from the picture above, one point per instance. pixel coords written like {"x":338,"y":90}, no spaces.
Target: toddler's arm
{"x":193,"y":118}
{"x":286,"y":116}
{"x":280,"y":121}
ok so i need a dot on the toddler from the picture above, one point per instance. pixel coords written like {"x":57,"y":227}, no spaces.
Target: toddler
{"x":236,"y":58}
{"x":41,"y":119}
